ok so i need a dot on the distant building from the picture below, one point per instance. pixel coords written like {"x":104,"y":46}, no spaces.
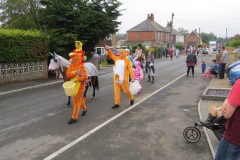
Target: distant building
{"x":110,"y":40}
{"x":121,"y":41}
{"x":192,"y":39}
{"x":148,"y":33}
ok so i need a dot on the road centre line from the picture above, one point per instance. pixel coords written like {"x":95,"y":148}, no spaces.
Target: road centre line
{"x":71,"y":144}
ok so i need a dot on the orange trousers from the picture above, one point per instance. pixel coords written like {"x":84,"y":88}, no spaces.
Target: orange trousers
{"x":117,"y":92}
{"x":79,"y":101}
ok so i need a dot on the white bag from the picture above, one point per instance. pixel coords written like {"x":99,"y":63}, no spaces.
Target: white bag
{"x":134,"y":87}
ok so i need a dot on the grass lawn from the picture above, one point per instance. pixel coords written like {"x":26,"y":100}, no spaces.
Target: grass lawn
{"x":105,"y":64}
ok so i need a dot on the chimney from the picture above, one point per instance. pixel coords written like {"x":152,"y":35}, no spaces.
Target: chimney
{"x":168,"y":24}
{"x":150,"y":17}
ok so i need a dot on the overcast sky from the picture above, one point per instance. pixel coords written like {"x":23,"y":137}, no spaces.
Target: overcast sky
{"x":220,"y":17}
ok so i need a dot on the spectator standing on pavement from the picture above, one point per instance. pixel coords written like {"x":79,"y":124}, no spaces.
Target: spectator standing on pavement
{"x":223,"y":62}
{"x":219,"y":56}
{"x":150,"y":67}
{"x":191,"y":62}
{"x":229,"y":145}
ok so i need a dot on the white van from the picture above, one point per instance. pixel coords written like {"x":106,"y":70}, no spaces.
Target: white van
{"x":101,"y":50}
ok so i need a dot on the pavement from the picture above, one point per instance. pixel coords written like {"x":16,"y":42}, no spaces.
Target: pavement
{"x":202,"y":106}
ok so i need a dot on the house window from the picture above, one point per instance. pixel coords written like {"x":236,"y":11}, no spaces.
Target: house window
{"x":158,"y":35}
{"x":138,"y":35}
{"x":162,"y":36}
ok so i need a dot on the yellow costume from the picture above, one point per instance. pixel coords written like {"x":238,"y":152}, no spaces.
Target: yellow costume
{"x":79,"y":50}
{"x":123,"y":68}
{"x":76,"y":72}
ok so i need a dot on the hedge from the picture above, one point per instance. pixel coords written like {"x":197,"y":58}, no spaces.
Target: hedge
{"x":23,"y":46}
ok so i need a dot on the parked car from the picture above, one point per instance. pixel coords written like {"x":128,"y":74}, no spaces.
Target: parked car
{"x":237,"y":50}
{"x":115,"y":52}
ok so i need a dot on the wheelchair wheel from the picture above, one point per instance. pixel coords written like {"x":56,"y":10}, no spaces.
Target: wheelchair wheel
{"x":191,"y":134}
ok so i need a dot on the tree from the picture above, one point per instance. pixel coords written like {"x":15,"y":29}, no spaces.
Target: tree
{"x":19,"y":14}
{"x":183,"y":31}
{"x":69,"y":20}
{"x":206,"y":37}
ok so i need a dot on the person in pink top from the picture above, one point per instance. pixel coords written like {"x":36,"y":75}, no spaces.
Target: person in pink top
{"x":138,"y":73}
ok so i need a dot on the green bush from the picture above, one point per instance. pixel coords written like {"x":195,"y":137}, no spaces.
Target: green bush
{"x":234,"y":43}
{"x":179,"y":46}
{"x":23,"y":46}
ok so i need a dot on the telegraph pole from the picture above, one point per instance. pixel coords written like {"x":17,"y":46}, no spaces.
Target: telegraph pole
{"x":199,"y":37}
{"x":171,"y":26}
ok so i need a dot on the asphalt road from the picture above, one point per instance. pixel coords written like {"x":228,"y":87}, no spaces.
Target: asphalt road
{"x":33,"y":123}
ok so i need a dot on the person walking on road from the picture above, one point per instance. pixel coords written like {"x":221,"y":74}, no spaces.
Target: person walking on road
{"x":171,"y":52}
{"x":122,"y":71}
{"x":150,"y":67}
{"x":77,"y":73}
{"x":203,"y":67}
{"x":177,"y":52}
{"x":191,"y":62}
{"x":138,"y":73}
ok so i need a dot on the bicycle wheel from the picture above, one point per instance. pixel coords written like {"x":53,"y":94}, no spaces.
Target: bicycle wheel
{"x":191,"y":134}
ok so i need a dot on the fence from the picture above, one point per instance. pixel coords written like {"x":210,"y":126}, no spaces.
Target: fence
{"x":13,"y":72}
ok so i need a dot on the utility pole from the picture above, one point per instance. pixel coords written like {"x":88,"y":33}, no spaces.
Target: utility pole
{"x":226,"y":37}
{"x":199,"y":36}
{"x":171,"y":26}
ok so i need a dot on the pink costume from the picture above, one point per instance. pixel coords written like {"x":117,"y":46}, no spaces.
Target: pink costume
{"x":138,"y":73}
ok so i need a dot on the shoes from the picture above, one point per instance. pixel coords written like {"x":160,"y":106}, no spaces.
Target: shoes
{"x":115,"y":106}
{"x":72,"y":121}
{"x":84,"y":113}
{"x":131,"y":102}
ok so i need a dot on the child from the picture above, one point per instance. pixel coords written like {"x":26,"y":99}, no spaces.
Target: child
{"x":138,"y":73}
{"x":150,"y":67}
{"x":203,"y":66}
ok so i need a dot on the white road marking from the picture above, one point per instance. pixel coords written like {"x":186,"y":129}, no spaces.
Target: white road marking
{"x":31,"y":87}
{"x":71,"y":144}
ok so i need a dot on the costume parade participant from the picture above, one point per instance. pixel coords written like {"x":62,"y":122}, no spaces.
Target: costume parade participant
{"x":78,"y":50}
{"x":77,"y":73}
{"x":123,"y":68}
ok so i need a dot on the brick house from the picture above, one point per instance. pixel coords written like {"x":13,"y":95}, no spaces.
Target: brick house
{"x":192,"y":39}
{"x":148,"y":33}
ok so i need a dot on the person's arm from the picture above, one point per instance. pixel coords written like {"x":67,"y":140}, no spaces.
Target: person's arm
{"x":232,"y":102}
{"x":82,"y":74}
{"x":110,"y":54}
{"x":227,"y":109}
